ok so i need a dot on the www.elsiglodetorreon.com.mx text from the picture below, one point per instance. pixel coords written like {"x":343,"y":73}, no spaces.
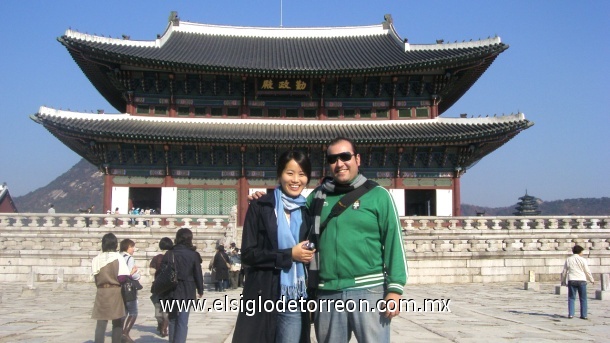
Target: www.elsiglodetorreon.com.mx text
{"x":253,"y":306}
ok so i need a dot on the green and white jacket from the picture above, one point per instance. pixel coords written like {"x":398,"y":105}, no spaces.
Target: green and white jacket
{"x":362,"y":247}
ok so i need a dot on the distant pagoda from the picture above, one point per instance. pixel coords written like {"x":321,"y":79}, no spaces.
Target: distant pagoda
{"x":528,"y":206}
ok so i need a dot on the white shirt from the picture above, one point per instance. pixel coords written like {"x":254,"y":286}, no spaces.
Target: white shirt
{"x":577,"y":268}
{"x":130,"y":263}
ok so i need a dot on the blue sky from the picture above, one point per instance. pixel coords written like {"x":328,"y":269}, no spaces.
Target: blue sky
{"x":556,"y":72}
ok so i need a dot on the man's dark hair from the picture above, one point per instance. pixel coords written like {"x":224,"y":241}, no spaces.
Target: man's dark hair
{"x":300,"y":158}
{"x":109,"y":242}
{"x":577,"y":249}
{"x":339,"y":139}
{"x":126,"y":243}
{"x":166,"y":243}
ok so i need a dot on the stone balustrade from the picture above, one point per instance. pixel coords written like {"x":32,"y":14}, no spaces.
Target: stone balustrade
{"x":489,"y":249}
{"x":45,"y":243}
{"x":438,"y":249}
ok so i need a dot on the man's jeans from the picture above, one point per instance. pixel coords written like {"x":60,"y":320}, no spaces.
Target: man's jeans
{"x":581,"y":288}
{"x":337,"y":326}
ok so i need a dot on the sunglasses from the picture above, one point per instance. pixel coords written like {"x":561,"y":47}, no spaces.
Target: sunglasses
{"x":344,"y":156}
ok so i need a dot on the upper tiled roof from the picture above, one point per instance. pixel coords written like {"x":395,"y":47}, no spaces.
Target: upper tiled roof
{"x":135,"y":129}
{"x":281,"y":51}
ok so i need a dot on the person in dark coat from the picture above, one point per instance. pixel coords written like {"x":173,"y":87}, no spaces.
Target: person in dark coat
{"x":273,"y":248}
{"x":220,"y":267}
{"x":190,"y":281}
{"x":155,"y":265}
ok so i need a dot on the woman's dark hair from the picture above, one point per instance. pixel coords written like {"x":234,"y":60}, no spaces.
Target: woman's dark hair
{"x":126,"y":243}
{"x":185,"y":237}
{"x":344,"y":139}
{"x":166,"y":243}
{"x":109,"y":242}
{"x":221,"y":248}
{"x":300,"y":158}
{"x":577,"y":249}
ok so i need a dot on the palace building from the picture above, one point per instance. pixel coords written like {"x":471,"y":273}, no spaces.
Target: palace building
{"x":205,"y":110}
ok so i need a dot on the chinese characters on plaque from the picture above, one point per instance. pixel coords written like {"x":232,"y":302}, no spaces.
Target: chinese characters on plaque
{"x":283,"y":85}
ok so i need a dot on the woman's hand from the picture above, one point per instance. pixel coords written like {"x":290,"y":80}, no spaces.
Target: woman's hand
{"x":256,"y":195}
{"x":301,"y":254}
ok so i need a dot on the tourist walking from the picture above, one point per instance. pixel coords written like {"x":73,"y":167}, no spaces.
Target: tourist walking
{"x":155,"y":265}
{"x":109,"y":270}
{"x":190,"y":282}
{"x":235,"y":270}
{"x":220,"y":264}
{"x":575,"y":274}
{"x":275,"y":231}
{"x":131,"y":307}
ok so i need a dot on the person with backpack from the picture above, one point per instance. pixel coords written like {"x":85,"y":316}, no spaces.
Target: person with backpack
{"x":155,"y":265}
{"x":127,"y":248}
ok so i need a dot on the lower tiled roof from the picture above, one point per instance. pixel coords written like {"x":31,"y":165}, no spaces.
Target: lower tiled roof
{"x":124,"y":127}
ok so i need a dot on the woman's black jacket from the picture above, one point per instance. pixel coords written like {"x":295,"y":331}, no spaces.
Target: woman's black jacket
{"x":265,"y":261}
{"x":190,"y":277}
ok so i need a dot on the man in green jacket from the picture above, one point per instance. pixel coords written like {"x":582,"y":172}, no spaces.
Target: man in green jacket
{"x":360,"y":257}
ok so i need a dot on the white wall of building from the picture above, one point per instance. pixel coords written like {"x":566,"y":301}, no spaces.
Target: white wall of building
{"x":444,"y":202}
{"x":120,"y":199}
{"x":399,"y":199}
{"x":169,"y":200}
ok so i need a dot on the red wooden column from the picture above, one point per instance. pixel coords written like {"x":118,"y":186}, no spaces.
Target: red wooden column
{"x":457,"y":201}
{"x":242,"y":200}
{"x":107,"y":201}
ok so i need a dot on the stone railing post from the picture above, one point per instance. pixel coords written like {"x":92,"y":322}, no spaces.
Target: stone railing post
{"x":604,"y":292}
{"x":594,"y":223}
{"x":482,"y":224}
{"x":524,"y":224}
{"x":453,"y":224}
{"x":49,"y":221}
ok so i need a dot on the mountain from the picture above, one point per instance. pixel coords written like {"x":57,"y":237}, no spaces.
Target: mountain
{"x":82,"y":186}
{"x":579,"y":207}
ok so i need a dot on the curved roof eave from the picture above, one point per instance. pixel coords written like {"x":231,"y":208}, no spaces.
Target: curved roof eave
{"x":342,"y":45}
{"x":119,"y":127}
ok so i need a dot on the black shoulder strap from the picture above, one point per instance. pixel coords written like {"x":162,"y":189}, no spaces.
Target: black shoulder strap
{"x":347,"y":200}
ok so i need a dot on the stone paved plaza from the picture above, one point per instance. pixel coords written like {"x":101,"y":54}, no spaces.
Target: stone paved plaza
{"x":493,"y":312}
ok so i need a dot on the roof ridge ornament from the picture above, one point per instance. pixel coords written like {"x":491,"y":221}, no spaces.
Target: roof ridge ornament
{"x":173,"y":18}
{"x":387,"y":21}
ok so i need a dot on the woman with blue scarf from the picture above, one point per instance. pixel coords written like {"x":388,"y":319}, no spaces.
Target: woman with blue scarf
{"x":275,"y":231}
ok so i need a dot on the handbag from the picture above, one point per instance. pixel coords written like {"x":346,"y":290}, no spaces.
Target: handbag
{"x":129,"y":290}
{"x":166,"y":279}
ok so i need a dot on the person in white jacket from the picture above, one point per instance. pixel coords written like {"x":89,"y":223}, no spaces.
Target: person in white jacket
{"x":575,"y":274}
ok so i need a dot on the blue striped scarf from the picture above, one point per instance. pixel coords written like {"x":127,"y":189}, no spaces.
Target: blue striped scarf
{"x":292,"y":280}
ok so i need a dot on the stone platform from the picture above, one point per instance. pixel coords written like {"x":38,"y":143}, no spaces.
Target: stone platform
{"x":491,"y":312}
